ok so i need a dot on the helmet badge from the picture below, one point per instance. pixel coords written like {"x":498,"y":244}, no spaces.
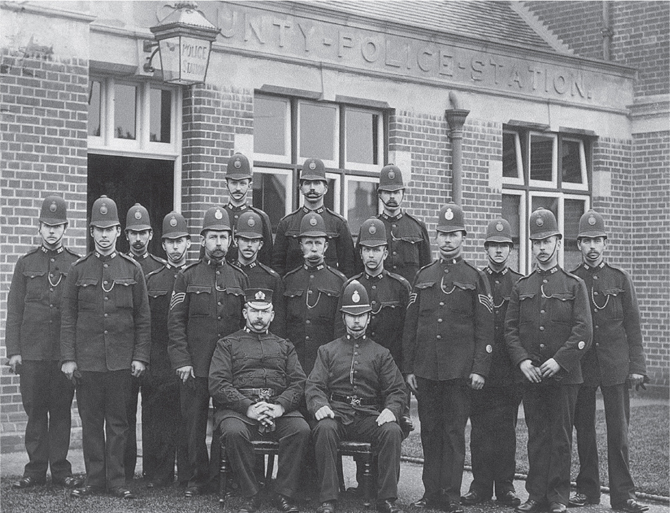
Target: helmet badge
{"x":391,"y":175}
{"x":103,"y":209}
{"x":53,"y":207}
{"x":173,"y":221}
{"x":251,"y":222}
{"x":237,"y":164}
{"x":355,"y":297}
{"x":592,"y":220}
{"x":449,"y":214}
{"x":372,"y":229}
{"x":539,"y":221}
{"x":500,"y":227}
{"x":312,"y":165}
{"x":218,"y":214}
{"x":312,"y":221}
{"x":138,"y":214}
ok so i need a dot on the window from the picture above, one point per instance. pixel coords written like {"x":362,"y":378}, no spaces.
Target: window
{"x":349,"y":139}
{"x":549,"y":170}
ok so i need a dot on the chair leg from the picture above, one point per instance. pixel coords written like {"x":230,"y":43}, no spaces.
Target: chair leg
{"x":270,"y":469}
{"x":223,"y":474}
{"x":340,"y":473}
{"x":367,"y":480}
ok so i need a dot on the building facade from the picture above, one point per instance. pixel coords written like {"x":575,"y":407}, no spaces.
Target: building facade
{"x":503,"y":106}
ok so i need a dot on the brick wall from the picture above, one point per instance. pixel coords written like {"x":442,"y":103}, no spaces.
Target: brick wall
{"x":641,"y":36}
{"x":651,"y":246}
{"x":211,"y":119}
{"x":43,"y":128}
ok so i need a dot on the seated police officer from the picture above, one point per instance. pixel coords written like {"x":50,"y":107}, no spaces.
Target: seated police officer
{"x":257,"y":384}
{"x":356,"y":391}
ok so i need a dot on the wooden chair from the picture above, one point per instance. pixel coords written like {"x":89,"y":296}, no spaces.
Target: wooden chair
{"x":362,"y":452}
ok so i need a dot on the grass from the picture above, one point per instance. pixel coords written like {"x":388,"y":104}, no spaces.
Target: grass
{"x":649,"y":447}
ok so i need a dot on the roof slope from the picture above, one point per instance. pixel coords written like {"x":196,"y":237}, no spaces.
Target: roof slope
{"x":487,"y":20}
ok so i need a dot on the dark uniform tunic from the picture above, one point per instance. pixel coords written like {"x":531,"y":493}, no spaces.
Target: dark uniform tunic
{"x":148,"y":263}
{"x":106,"y":325}
{"x":548,"y":317}
{"x":312,"y":294}
{"x":161,"y":413}
{"x":33,"y":331}
{"x":262,"y":277}
{"x":340,"y":254}
{"x":357,"y":379}
{"x":616,"y":352}
{"x":265,"y":253}
{"x":206,"y":305}
{"x":408,"y":244}
{"x":494,"y":409}
{"x":243,"y":363}
{"x":447,"y":337}
{"x":389,"y":296}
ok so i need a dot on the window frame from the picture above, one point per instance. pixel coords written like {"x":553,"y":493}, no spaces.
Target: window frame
{"x":523,"y":226}
{"x":357,"y":166}
{"x":519,"y":180}
{"x":288,"y":141}
{"x":584,"y":185}
{"x":544,"y":184}
{"x":334,"y":162}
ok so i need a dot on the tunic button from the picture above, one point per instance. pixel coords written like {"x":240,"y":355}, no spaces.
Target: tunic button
{"x":374,"y":302}
{"x":541,"y":328}
{"x":105,"y":265}
{"x":542,"y":311}
{"x":51,"y":289}
{"x":394,"y":225}
{"x":597,"y":344}
{"x":219,"y":317}
{"x":355,"y":353}
{"x":595,"y":293}
{"x":374,"y":287}
{"x":51,"y":306}
{"x":218,"y":272}
{"x":373,"y":334}
{"x":595,"y":277}
{"x":497,"y":282}
{"x":311,"y":276}
{"x":106,"y":298}
{"x":106,"y":315}
{"x":597,"y":326}
{"x":219,"y":303}
{"x":308,"y":321}
{"x":441,"y":303}
{"x":541,"y":346}
{"x":356,"y":345}
{"x":395,"y":266}
{"x":544,"y":281}
{"x":307,"y":337}
{"x":438,"y":337}
{"x":439,"y":320}
{"x":53,"y":259}
{"x":395,"y":252}
{"x":105,"y":332}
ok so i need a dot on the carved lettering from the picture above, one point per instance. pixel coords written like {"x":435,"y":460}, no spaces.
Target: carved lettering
{"x":345,"y":40}
{"x":227,"y":22}
{"x":424,"y":59}
{"x":307,"y":31}
{"x":283,"y":25}
{"x":560,"y":84}
{"x":477,"y":72}
{"x":446,"y":67}
{"x":535,"y":74}
{"x":370,"y":49}
{"x":253,"y":26}
{"x":578,"y":85}
{"x":389,"y":61}
{"x":496,"y":67}
{"x":515,"y":78}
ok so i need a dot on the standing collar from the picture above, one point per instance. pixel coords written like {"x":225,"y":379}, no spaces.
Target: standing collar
{"x":237,"y":209}
{"x":318,"y":210}
{"x":393,"y":218}
{"x":451,"y":261}
{"x":596,"y":268}
{"x":548,"y":271}
{"x":47,"y":250}
{"x":492,"y":272}
{"x":105,"y":257}
{"x":314,"y":267}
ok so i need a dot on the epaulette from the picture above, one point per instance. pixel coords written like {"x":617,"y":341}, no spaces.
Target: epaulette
{"x":427,"y":266}
{"x":82,"y":259}
{"x":336,"y":214}
{"x":575,"y":269}
{"x":189,"y":266}
{"x":155,"y":271}
{"x":572,"y":275}
{"x":158,"y":259}
{"x":414,"y":218}
{"x":399,"y":278}
{"x":528,"y":275}
{"x":268,"y":269}
{"x":72,"y":252}
{"x":472,"y":266}
{"x":336,"y":273}
{"x":293,"y":271}
{"x":236,"y":268}
{"x":130,"y":259}
{"x":34,"y":250}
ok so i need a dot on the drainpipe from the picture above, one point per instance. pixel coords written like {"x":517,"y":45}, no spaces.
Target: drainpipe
{"x":456,"y":119}
{"x":606,"y":30}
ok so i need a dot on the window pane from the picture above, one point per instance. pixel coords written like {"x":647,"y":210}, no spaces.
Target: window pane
{"x":270,"y":195}
{"x":317,"y":131}
{"x":125,"y":108}
{"x":160,"y":105}
{"x":329,"y":199}
{"x":541,"y":157}
{"x":94,"y":105}
{"x":510,"y":157}
{"x":270,"y":125}
{"x":574,"y":209}
{"x":546,"y":202}
{"x":511,"y":211}
{"x":362,"y":198}
{"x":571,"y":163}
{"x":361,"y":132}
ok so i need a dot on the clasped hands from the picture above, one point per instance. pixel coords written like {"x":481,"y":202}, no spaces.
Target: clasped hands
{"x":385,"y":416}
{"x":536,"y":374}
{"x":265,"y":413}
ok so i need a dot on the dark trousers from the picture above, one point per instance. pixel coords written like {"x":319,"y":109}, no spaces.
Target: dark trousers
{"x":130,"y":454}
{"x":387,"y":439}
{"x":550,"y":413}
{"x":292,"y":433}
{"x":617,"y":416}
{"x":161,"y":424}
{"x":493,"y":415}
{"x":47,"y":397}
{"x":194,"y":398}
{"x":102,"y":399}
{"x":444,"y":407}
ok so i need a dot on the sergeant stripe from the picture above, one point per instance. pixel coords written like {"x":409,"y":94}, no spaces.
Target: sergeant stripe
{"x":177,"y":298}
{"x":412,"y":299}
{"x":487,"y":301}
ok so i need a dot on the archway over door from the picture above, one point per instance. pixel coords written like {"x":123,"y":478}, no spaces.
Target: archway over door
{"x":129,"y":180}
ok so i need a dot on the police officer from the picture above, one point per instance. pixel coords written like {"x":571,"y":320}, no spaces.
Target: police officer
{"x":206,"y":305}
{"x":161,"y":414}
{"x":447,"y":349}
{"x":239,"y":182}
{"x":614,"y":362}
{"x":32,"y":337}
{"x":356,"y":391}
{"x":287,"y":254}
{"x":105,"y":342}
{"x":138,"y":233}
{"x":547,"y":331}
{"x":249,"y":242}
{"x":407,"y":236}
{"x":257,"y":384}
{"x":312,"y":292}
{"x":494,"y":408}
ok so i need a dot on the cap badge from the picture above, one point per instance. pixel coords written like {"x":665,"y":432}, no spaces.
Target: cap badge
{"x":449,"y":215}
{"x":251,"y":222}
{"x":173,"y":221}
{"x":592,"y":220}
{"x":356,"y":297}
{"x":489,"y":348}
{"x":391,"y":175}
{"x":312,"y":165}
{"x":312,"y":221}
{"x":539,"y":221}
{"x":581,"y":344}
{"x":138,"y":215}
{"x":218,"y":214}
{"x":260,"y":295}
{"x":53,"y":207}
{"x":103,"y":209}
{"x":500,"y":227}
{"x":372,"y":229}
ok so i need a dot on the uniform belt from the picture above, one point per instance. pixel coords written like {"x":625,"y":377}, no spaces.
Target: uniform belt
{"x":261,"y":393}
{"x":354,"y":400}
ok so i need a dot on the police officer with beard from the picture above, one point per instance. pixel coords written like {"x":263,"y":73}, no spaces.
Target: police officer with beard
{"x":494,"y":408}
